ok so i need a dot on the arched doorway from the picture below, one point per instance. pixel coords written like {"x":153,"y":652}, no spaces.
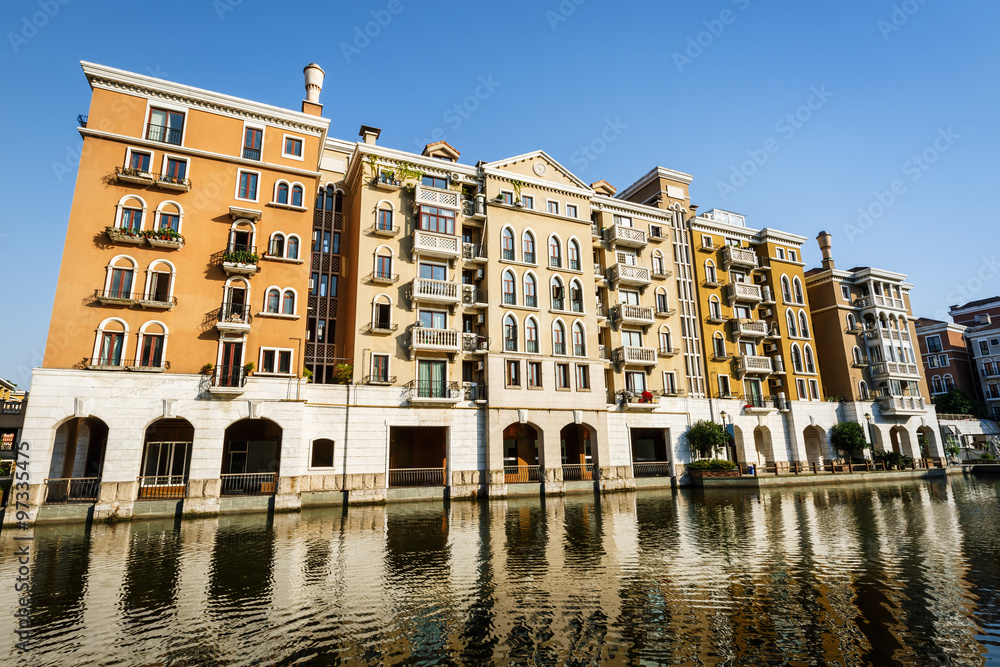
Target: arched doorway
{"x":740,"y":445}
{"x":900,"y":440}
{"x":576,"y":442}
{"x":77,"y":461}
{"x":928,"y":445}
{"x":520,"y":454}
{"x":815,"y":440}
{"x":166,"y":458}
{"x":251,"y":452}
{"x":762,"y":443}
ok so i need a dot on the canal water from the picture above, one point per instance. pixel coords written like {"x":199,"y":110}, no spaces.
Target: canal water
{"x":867,"y":574}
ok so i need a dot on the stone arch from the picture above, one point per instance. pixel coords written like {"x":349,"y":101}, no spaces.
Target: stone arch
{"x":522,"y":449}
{"x":762,"y":445}
{"x":166,"y":458}
{"x":742,"y":455}
{"x":900,"y":439}
{"x":927,"y":442}
{"x":78,"y":452}
{"x":816,"y":444}
{"x":251,"y":456}
{"x":577,"y":443}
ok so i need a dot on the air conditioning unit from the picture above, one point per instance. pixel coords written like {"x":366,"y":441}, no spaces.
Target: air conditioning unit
{"x":763,"y":278}
{"x":480,"y":274}
{"x":480,"y":365}
{"x":765,"y":312}
{"x":312,"y":284}
{"x":770,"y":347}
{"x":480,"y":319}
{"x":457,"y":178}
{"x":777,"y":383}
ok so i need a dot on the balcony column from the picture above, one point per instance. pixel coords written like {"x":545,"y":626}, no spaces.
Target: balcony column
{"x":204,"y":486}
{"x":612,"y":475}
{"x":495,"y":479}
{"x":552,"y":454}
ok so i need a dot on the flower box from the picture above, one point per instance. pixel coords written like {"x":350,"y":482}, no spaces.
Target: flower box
{"x":124,"y":235}
{"x":172,"y":243}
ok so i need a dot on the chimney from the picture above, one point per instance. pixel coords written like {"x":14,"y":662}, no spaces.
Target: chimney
{"x":369,"y":134}
{"x":314,"y":85}
{"x":826,"y":247}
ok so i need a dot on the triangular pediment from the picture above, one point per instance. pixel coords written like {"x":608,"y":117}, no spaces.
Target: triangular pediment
{"x":538,"y":166}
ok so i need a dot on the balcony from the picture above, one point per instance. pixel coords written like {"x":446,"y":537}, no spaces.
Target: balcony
{"x":751,"y":365}
{"x":627,"y":313}
{"x":476,"y":392}
{"x":668,"y":351}
{"x":382,"y":327}
{"x":599,"y":272}
{"x":474,"y":297}
{"x":876,"y":335}
{"x":124,"y":235}
{"x":239,"y":260}
{"x":434,"y":197}
{"x":234,"y":318}
{"x":881,"y":370}
{"x":475,"y":344}
{"x":428,"y":393}
{"x":473,"y":252}
{"x":106,"y":362}
{"x":382,"y":278}
{"x":432,"y":244}
{"x":745,"y":292}
{"x":628,"y":237}
{"x":165,"y":238}
{"x":134,"y":176}
{"x":147,"y":365}
{"x":475,"y":208}
{"x":168,"y":135}
{"x":435,"y":340}
{"x":251,"y":153}
{"x":426,"y":290}
{"x":902,"y":405}
{"x":628,"y":274}
{"x":114,"y":297}
{"x":878,"y":301}
{"x":173,"y":183}
{"x":632,"y":403}
{"x":387,"y":182}
{"x":750,"y":328}
{"x":228,"y":380}
{"x":385,"y":229}
{"x":157,"y":301}
{"x":658,"y":234}
{"x":660,"y":273}
{"x":759,"y":405}
{"x":740,"y":258}
{"x":379,"y":380}
{"x":635,"y":356}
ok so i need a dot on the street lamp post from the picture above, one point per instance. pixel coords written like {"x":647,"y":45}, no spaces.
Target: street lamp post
{"x":871,"y":440}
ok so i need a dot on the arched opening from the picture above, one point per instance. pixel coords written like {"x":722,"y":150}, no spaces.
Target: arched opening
{"x":576,"y":445}
{"x":650,"y":454}
{"x":927,"y":443}
{"x":251,"y":452}
{"x":900,"y":440}
{"x":77,"y":461}
{"x":762,"y":445}
{"x":815,"y":440}
{"x":166,"y":459}
{"x":520,"y":454}
{"x":739,"y":444}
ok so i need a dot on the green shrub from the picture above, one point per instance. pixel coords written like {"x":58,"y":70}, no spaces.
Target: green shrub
{"x":707,"y":438}
{"x":848,"y":437}
{"x":711,"y":464}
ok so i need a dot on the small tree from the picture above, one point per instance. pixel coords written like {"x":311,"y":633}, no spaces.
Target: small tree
{"x":707,"y":438}
{"x":957,"y":402}
{"x":343,"y":373}
{"x":848,"y":437}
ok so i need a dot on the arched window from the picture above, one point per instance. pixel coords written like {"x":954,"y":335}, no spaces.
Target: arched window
{"x":288,"y":302}
{"x":236,"y":299}
{"x":528,"y":248}
{"x":242,"y":236}
{"x":382,"y":313}
{"x":810,"y":360}
{"x":863,"y":390}
{"x":277,"y":245}
{"x":936,"y":385}
{"x":949,"y":382}
{"x":710,"y":274}
{"x":576,"y":296}
{"x":159,"y":282}
{"x":120,"y":278}
{"x":718,"y":345}
{"x":662,"y":303}
{"x":383,"y":263}
{"x":714,"y":308}
{"x":383,"y":217}
{"x":803,"y":324}
{"x":555,"y":252}
{"x":852,"y":322}
{"x":530,"y":291}
{"x":786,"y":289}
{"x":558,"y":294}
{"x":292,"y":247}
{"x":297,"y":195}
{"x":531,"y":335}
{"x":574,"y":254}
{"x":993,"y":390}
{"x":273,"y":300}
{"x":168,"y":217}
{"x":796,"y":358}
{"x":507,"y":244}
{"x":797,"y":289}
{"x":509,"y":288}
{"x":281,"y":195}
{"x":579,"y":340}
{"x":558,"y":338}
{"x":659,"y":267}
{"x":790,"y":321}
{"x":112,"y":337}
{"x":510,"y":334}
{"x":664,"y":339}
{"x":130,"y":213}
{"x":856,"y":353}
{"x":151,"y":346}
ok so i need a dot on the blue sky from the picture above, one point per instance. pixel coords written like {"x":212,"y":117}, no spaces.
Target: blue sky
{"x":801,"y":115}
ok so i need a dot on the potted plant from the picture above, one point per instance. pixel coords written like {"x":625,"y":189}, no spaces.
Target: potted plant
{"x":124,"y":234}
{"x":248,"y":368}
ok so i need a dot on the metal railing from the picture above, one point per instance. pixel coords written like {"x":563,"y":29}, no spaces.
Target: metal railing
{"x":251,"y":153}
{"x":435,"y":389}
{"x":134,"y":173}
{"x":472,"y":251}
{"x":13,"y":407}
{"x":578,"y":472}
{"x":474,"y":342}
{"x":476,"y":392}
{"x":162,"y":486}
{"x":555,"y":262}
{"x":651,"y":469}
{"x":72,"y":490}
{"x":522,"y":474}
{"x":382,"y":277}
{"x":529,"y":257}
{"x":238,"y":253}
{"x":378,"y":325}
{"x":235,"y":313}
{"x":153,"y":299}
{"x":473,"y":295}
{"x":229,"y":376}
{"x":249,"y":483}
{"x":120,"y":295}
{"x":106,"y":361}
{"x":507,"y":254}
{"x":163,"y":133}
{"x":760,"y":402}
{"x":412,"y":477}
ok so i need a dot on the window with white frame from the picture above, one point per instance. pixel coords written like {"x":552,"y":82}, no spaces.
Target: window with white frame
{"x":669,"y":383}
{"x":635,"y":382}
{"x":112,"y":337}
{"x":509,"y":288}
{"x":781,"y":253}
{"x":276,"y":361}
{"x":718,"y":346}
{"x":509,"y":334}
{"x":530,"y":291}
{"x":803,"y":324}
{"x":383,"y":218}
{"x":576,"y":296}
{"x":130,"y":213}
{"x":552,"y":207}
{"x":562,"y":376}
{"x":931,"y":361}
{"x":138,"y":162}
{"x":845,"y":292}
{"x":572,"y":211}
{"x":793,"y":256}
{"x":573,"y":250}
{"x":528,"y":202}
{"x":291,"y":147}
{"x":943,"y":360}
{"x":151,"y":345}
{"x":531,"y":335}
{"x":714,"y":308}
{"x":159,"y":286}
{"x":796,"y":358}
{"x":579,"y":340}
{"x":321,"y":454}
{"x":558,"y":338}
{"x":936,"y":385}
{"x":724,"y":389}
{"x":246,"y":185}
{"x":507,"y":244}
{"x":555,"y":252}
{"x":528,"y":248}
{"x":166,"y":125}
{"x":582,"y":377}
{"x":120,"y":277}
{"x":814,"y":390}
{"x":665,"y":342}
{"x":558,"y":294}
{"x":168,"y":218}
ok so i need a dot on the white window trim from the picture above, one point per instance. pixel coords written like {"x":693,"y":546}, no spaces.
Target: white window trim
{"x":149,"y":276}
{"x":168,"y":106}
{"x":671,"y":387}
{"x":576,"y":211}
{"x":101,"y":330}
{"x":179,"y":158}
{"x":277,"y":350}
{"x":263,"y":138}
{"x":236,"y":191}
{"x":152,"y":157}
{"x":141,"y":334}
{"x":111,"y":265}
{"x":121,"y":206}
{"x":327,"y":469}
{"x":524,"y":204}
{"x":371,"y":361}
{"x":290,"y":156}
{"x":159,"y":211}
{"x":548,"y":207}
{"x":576,"y":377}
{"x":289,"y":205}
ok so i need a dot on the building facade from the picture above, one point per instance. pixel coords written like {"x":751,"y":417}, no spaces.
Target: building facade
{"x":947,"y":363}
{"x":984,"y":344}
{"x":496,"y":328}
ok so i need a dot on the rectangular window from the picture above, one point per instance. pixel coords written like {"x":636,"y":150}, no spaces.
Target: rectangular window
{"x":781,"y":253}
{"x":984,"y":348}
{"x":724,"y":386}
{"x":139,"y":161}
{"x":292,"y":147}
{"x":432,"y":379}
{"x":433,"y":319}
{"x":845,"y":291}
{"x":384,"y":222}
{"x":800,"y":384}
{"x":434,"y":182}
{"x":622,"y":220}
{"x":434,"y":219}
{"x":513,"y":373}
{"x":562,"y":376}
{"x":248,"y":186}
{"x":335,"y":249}
{"x":931,"y":362}
{"x":275,"y":361}
{"x":175,"y":169}
{"x":322,"y":454}
{"x":669,"y":383}
{"x":943,"y":360}
{"x":706,"y":241}
{"x":170,"y":221}
{"x":528,"y":201}
{"x":582,"y":377}
{"x":507,"y":198}
{"x":635,"y":382}
{"x":572,"y":211}
{"x":252,"y":138}
{"x":166,"y":126}
{"x":380,"y":367}
{"x":321,"y":331}
{"x":934,"y":344}
{"x":994,"y":342}
{"x":534,"y":374}
{"x":792,"y":256}
{"x":553,"y":207}
{"x":814,"y":389}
